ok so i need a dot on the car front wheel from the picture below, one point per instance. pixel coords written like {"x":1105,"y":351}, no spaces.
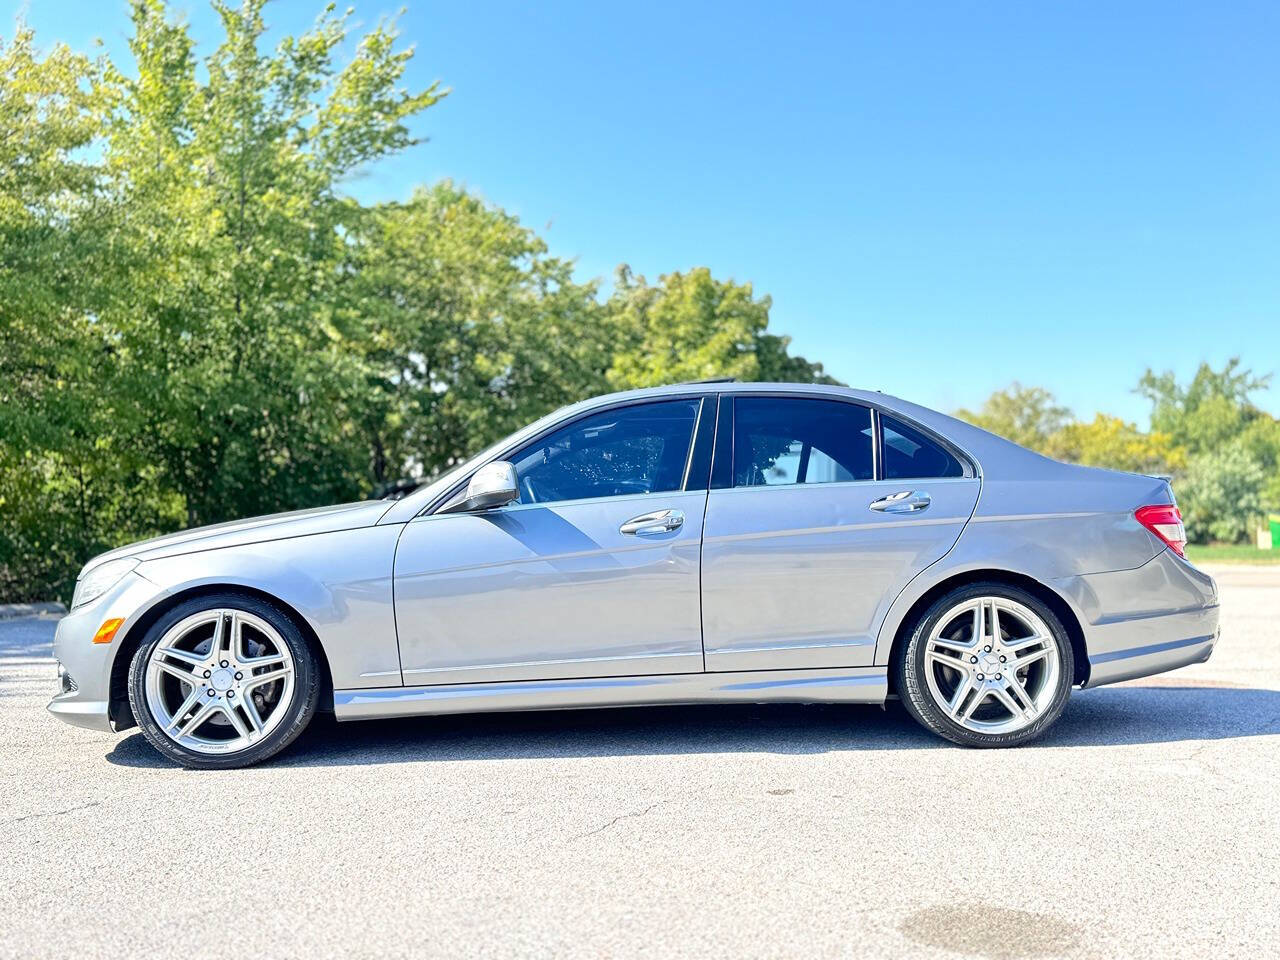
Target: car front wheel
{"x":223,"y":681}
{"x":987,"y":665}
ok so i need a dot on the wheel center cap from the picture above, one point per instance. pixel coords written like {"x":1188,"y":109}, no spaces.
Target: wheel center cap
{"x":222,"y":680}
{"x":989,"y":662}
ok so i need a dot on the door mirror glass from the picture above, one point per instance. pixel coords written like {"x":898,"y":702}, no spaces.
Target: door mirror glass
{"x":493,"y":485}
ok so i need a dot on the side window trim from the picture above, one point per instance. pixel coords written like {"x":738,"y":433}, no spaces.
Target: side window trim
{"x":968,"y":466}
{"x":877,"y":447}
{"x":722,"y":460}
{"x":723,"y":470}
{"x":447,"y":497}
{"x":697,"y":471}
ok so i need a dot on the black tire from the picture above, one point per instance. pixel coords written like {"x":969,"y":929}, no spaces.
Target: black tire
{"x":298,"y":712}
{"x":910,"y":666}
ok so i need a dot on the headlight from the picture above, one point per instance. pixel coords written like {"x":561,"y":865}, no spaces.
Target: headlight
{"x":101,"y":579}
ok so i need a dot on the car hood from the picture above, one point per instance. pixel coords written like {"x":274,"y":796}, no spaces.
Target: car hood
{"x":276,"y":526}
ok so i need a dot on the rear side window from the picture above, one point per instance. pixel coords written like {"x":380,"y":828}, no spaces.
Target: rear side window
{"x":790,"y":440}
{"x":910,"y":455}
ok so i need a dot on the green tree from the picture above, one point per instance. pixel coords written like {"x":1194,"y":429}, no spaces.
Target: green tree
{"x":1233,"y":447}
{"x":691,"y":326}
{"x":1221,"y":494}
{"x":1211,"y":410}
{"x":1025,"y":415}
{"x":469,"y":330}
{"x":172,"y":254}
{"x":238,"y":373}
{"x":1111,"y":442}
{"x":1262,"y":440}
{"x":65,"y":490}
{"x":198,"y":325}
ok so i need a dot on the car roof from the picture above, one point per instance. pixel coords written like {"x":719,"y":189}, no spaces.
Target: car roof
{"x":987,"y":450}
{"x":873,"y":398}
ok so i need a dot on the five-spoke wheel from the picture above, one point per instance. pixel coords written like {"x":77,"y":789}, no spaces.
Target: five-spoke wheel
{"x":223,"y":681}
{"x":987,"y":665}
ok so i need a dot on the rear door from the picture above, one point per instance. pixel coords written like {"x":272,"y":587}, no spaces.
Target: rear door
{"x":821,"y":511}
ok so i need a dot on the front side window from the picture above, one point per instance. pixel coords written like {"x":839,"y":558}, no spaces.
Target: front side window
{"x":633,"y":450}
{"x":790,"y":440}
{"x":910,"y":455}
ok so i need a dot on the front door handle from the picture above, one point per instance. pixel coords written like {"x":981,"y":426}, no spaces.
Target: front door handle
{"x":647,"y":524}
{"x":904,"y":501}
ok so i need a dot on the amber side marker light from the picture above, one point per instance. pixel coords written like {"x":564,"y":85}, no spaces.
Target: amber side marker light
{"x":107,"y":632}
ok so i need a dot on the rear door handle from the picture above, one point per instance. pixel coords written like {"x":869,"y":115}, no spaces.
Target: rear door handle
{"x":647,"y":524}
{"x":904,"y":501}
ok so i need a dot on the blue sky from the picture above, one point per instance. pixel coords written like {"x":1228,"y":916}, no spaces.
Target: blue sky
{"x":940,"y":197}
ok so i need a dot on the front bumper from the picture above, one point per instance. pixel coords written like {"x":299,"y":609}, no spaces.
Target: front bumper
{"x":87,"y":703}
{"x":1158,"y":617}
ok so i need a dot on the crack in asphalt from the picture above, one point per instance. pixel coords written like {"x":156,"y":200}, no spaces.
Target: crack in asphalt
{"x":621,"y":816}
{"x":52,"y":813}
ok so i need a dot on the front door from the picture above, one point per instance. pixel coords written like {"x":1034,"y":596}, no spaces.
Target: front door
{"x":592,"y":573}
{"x":826,"y":514}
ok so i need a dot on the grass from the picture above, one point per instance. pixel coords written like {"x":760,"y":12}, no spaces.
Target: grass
{"x":1231,"y":553}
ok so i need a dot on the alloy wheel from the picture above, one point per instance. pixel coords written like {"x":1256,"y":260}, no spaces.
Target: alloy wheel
{"x":992,"y":665}
{"x":219,"y":681}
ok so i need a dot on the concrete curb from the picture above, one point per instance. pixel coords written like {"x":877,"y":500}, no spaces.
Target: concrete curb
{"x":16,"y":611}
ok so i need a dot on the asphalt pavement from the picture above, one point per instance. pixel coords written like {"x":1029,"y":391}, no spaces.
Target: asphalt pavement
{"x":1146,"y":824}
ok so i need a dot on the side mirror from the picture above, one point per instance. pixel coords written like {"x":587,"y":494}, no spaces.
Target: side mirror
{"x":493,"y":485}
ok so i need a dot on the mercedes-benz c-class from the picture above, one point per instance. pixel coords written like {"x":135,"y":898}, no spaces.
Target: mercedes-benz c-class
{"x":696,"y":543}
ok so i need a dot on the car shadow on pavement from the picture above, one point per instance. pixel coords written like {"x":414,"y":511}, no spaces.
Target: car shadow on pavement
{"x":1108,"y":716}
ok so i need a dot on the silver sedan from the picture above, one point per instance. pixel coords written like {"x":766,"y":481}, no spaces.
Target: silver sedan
{"x":698,"y":543}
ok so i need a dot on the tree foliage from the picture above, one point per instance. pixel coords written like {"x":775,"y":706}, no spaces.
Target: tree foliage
{"x":1212,"y":409}
{"x":691,"y":326}
{"x":1110,"y":442}
{"x":468,"y":330}
{"x":62,"y":485}
{"x":1025,"y":415}
{"x":1221,"y":494}
{"x":197,"y":324}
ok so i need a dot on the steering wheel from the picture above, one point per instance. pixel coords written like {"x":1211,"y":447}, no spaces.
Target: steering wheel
{"x":526,"y":490}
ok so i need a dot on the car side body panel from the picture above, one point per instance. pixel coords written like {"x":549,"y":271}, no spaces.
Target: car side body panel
{"x":801,"y":576}
{"x":1092,"y":554}
{"x":1156,"y":617}
{"x":338,"y":582}
{"x":844,"y":685}
{"x":276,"y":526}
{"x":549,"y":591}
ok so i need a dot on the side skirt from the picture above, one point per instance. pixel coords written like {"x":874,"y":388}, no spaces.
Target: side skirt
{"x":843,"y":685}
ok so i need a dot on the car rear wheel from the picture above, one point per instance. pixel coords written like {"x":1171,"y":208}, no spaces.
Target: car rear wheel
{"x":987,"y":665}
{"x":223,"y":681}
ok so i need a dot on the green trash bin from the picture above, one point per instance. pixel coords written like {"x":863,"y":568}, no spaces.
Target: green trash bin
{"x":1273,"y":520}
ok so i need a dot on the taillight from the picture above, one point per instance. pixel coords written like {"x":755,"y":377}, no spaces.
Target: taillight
{"x":1165,"y":521}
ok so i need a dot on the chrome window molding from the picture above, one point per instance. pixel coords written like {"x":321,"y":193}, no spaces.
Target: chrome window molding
{"x":968,"y":462}
{"x":449,"y":495}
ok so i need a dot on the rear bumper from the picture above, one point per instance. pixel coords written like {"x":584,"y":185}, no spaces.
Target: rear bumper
{"x":1158,"y":617}
{"x":1143,"y":661}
